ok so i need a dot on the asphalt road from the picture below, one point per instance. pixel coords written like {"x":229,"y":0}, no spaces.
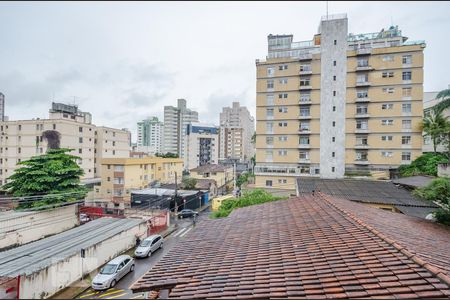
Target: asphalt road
{"x":121,"y":290}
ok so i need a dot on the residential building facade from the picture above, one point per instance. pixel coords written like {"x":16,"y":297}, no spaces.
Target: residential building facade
{"x":176,"y":120}
{"x":339,"y":104}
{"x":150,"y":134}
{"x":429,"y":101}
{"x":237,"y":127}
{"x":202,"y":145}
{"x":2,"y":107}
{"x":122,"y":175}
{"x":22,"y":139}
{"x":222,"y":175}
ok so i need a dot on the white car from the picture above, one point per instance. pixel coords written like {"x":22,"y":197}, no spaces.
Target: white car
{"x":149,"y":245}
{"x":112,"y":272}
{"x":84,"y":218}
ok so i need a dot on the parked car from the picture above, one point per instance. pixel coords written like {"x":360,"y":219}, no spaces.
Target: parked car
{"x":149,"y":245}
{"x":187,"y":213}
{"x":84,"y":218}
{"x":112,"y":272}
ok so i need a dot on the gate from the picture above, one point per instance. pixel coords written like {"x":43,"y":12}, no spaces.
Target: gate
{"x":157,"y":223}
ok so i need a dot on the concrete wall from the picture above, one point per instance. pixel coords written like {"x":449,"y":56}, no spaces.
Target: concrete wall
{"x":444,"y":170}
{"x":64,"y":272}
{"x":26,"y":228}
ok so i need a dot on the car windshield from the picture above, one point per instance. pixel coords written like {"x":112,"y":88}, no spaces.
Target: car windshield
{"x":108,"y":269}
{"x":145,"y":243}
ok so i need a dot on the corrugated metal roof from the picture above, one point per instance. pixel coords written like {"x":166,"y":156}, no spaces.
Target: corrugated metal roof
{"x":37,"y":255}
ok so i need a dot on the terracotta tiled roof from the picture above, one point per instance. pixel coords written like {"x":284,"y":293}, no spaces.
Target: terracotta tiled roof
{"x":308,"y":247}
{"x":368,"y":191}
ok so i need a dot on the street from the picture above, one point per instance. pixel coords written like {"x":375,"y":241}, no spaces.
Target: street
{"x":121,"y":290}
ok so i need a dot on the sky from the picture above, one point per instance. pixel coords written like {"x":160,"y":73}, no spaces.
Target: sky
{"x":123,"y":61}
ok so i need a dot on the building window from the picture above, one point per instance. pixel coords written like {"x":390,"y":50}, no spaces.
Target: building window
{"x":305,"y":82}
{"x":386,"y":153}
{"x":386,"y":137}
{"x":282,"y":67}
{"x":334,"y":108}
{"x":20,"y":127}
{"x":389,"y":90}
{"x":406,"y":75}
{"x":54,"y":126}
{"x":361,"y":109}
{"x":305,"y":68}
{"x":282,"y":181}
{"x":305,"y":96}
{"x":80,"y":129}
{"x":269,"y":140}
{"x":406,"y":107}
{"x":406,"y":156}
{"x":334,"y":124}
{"x":108,"y":179}
{"x":283,"y":109}
{"x":268,"y":182}
{"x":406,"y":124}
{"x":304,"y":111}
{"x":361,"y":156}
{"x":363,"y":78}
{"x":114,"y":152}
{"x":334,"y":78}
{"x":335,"y":42}
{"x":283,"y":81}
{"x":269,"y":112}
{"x":387,"y":106}
{"x":361,"y":124}
{"x":304,"y":155}
{"x":406,"y":92}
{"x":80,"y":139}
{"x":387,"y":122}
{"x":282,"y":96}
{"x":407,"y":59}
{"x":269,"y":127}
{"x":333,"y":154}
{"x":334,"y":63}
{"x":406,"y":140}
{"x":270,"y":84}
{"x":334,"y":93}
{"x":270,"y":72}
{"x":283,"y":138}
{"x":333,"y":139}
{"x":388,"y":57}
{"x":282,"y":124}
{"x":282,"y":152}
{"x":332,"y":169}
{"x":387,"y":74}
{"x":361,"y":140}
{"x":304,"y":140}
{"x":269,"y":99}
{"x":363,"y":62}
{"x":304,"y":126}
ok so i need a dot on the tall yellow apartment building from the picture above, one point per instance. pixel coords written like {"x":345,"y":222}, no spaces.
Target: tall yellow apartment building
{"x":339,"y":104}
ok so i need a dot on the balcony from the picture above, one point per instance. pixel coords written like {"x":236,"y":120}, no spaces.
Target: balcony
{"x":362,"y":83}
{"x":305,"y":87}
{"x":361,"y":146}
{"x":118,"y":174}
{"x":304,"y":101}
{"x":361,"y":116}
{"x":361,"y":100}
{"x":306,"y":72}
{"x":306,"y":56}
{"x":304,"y":160}
{"x":304,"y":117}
{"x":304,"y":131}
{"x":304,"y":146}
{"x":364,"y":51}
{"x":364,"y":68}
{"x":363,"y":162}
{"x":361,"y":130}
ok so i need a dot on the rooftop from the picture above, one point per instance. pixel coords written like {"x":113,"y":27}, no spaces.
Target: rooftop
{"x":211,"y":168}
{"x":414,"y":181}
{"x":368,"y":191}
{"x":307,"y":247}
{"x":45,"y":252}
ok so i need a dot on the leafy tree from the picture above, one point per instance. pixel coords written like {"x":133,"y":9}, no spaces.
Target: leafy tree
{"x":438,"y":190}
{"x":189,"y":183}
{"x":167,"y":155}
{"x":50,"y":174}
{"x":248,"y":198}
{"x":425,"y":164}
{"x":444,"y":97}
{"x":434,"y":125}
{"x":243,"y":178}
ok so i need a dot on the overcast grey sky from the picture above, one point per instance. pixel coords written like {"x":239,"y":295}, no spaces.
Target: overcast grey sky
{"x":125,"y":61}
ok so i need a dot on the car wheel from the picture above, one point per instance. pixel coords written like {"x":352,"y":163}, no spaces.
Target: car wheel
{"x":161,"y":246}
{"x":132,"y":268}
{"x":149,"y":253}
{"x":113,"y":283}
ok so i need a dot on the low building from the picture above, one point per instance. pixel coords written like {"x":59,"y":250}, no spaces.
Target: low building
{"x":380,"y":194}
{"x":306,"y":248}
{"x":222,"y":175}
{"x":202,"y":145}
{"x":216,"y":203}
{"x":164,"y":199}
{"x":51,"y":264}
{"x":122,"y":175}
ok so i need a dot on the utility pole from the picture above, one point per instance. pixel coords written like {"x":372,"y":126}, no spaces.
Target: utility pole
{"x":234,"y":176}
{"x":175,"y":196}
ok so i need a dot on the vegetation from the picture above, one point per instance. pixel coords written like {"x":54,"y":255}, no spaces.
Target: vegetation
{"x":425,"y":164}
{"x":243,"y":178}
{"x":55,"y":175}
{"x":189,"y":183}
{"x":167,"y":155}
{"x":434,"y":126}
{"x":248,"y":198}
{"x":438,"y":191}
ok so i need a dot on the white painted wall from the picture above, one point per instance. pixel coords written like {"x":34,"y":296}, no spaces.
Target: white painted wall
{"x":37,"y":225}
{"x":64,"y":272}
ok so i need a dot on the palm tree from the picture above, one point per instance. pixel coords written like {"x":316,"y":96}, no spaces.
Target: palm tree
{"x":444,"y":96}
{"x":434,"y":125}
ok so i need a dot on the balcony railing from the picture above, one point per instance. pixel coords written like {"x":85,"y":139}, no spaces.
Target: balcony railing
{"x":305,"y":101}
{"x":364,"y":68}
{"x":304,"y":160}
{"x":361,"y":130}
{"x":365,"y":99}
{"x":363,"y":83}
{"x":303,"y":117}
{"x":362,"y":115}
{"x":361,"y":161}
{"x":363,"y":51}
{"x":306,"y":56}
{"x":304,"y":146}
{"x":305,"y":87}
{"x":305,"y":72}
{"x":304,"y":131}
{"x":361,"y":146}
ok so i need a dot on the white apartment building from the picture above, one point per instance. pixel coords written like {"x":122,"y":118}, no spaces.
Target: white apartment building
{"x":150,"y":134}
{"x":202,"y":145}
{"x":22,"y":139}
{"x":176,"y":120}
{"x":237,"y":127}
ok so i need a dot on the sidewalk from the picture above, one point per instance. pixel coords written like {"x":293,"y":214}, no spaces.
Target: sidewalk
{"x":79,"y":287}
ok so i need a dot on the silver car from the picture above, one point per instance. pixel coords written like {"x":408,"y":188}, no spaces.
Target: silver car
{"x":149,"y":245}
{"x":112,"y":272}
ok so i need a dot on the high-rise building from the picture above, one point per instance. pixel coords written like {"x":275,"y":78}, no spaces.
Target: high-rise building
{"x":202,"y":145}
{"x":150,"y":134}
{"x":237,"y":127}
{"x":176,"y":120}
{"x":339,"y":104}
{"x":2,"y":107}
{"x":22,"y":139}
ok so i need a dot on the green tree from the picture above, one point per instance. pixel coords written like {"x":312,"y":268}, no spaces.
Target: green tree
{"x":425,"y":164}
{"x":189,"y":183}
{"x":50,"y":174}
{"x":438,"y":190}
{"x":444,"y":98}
{"x":434,"y":125}
{"x":167,"y":155}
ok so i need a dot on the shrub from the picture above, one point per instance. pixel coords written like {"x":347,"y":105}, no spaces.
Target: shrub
{"x":425,"y":164}
{"x":438,"y":190}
